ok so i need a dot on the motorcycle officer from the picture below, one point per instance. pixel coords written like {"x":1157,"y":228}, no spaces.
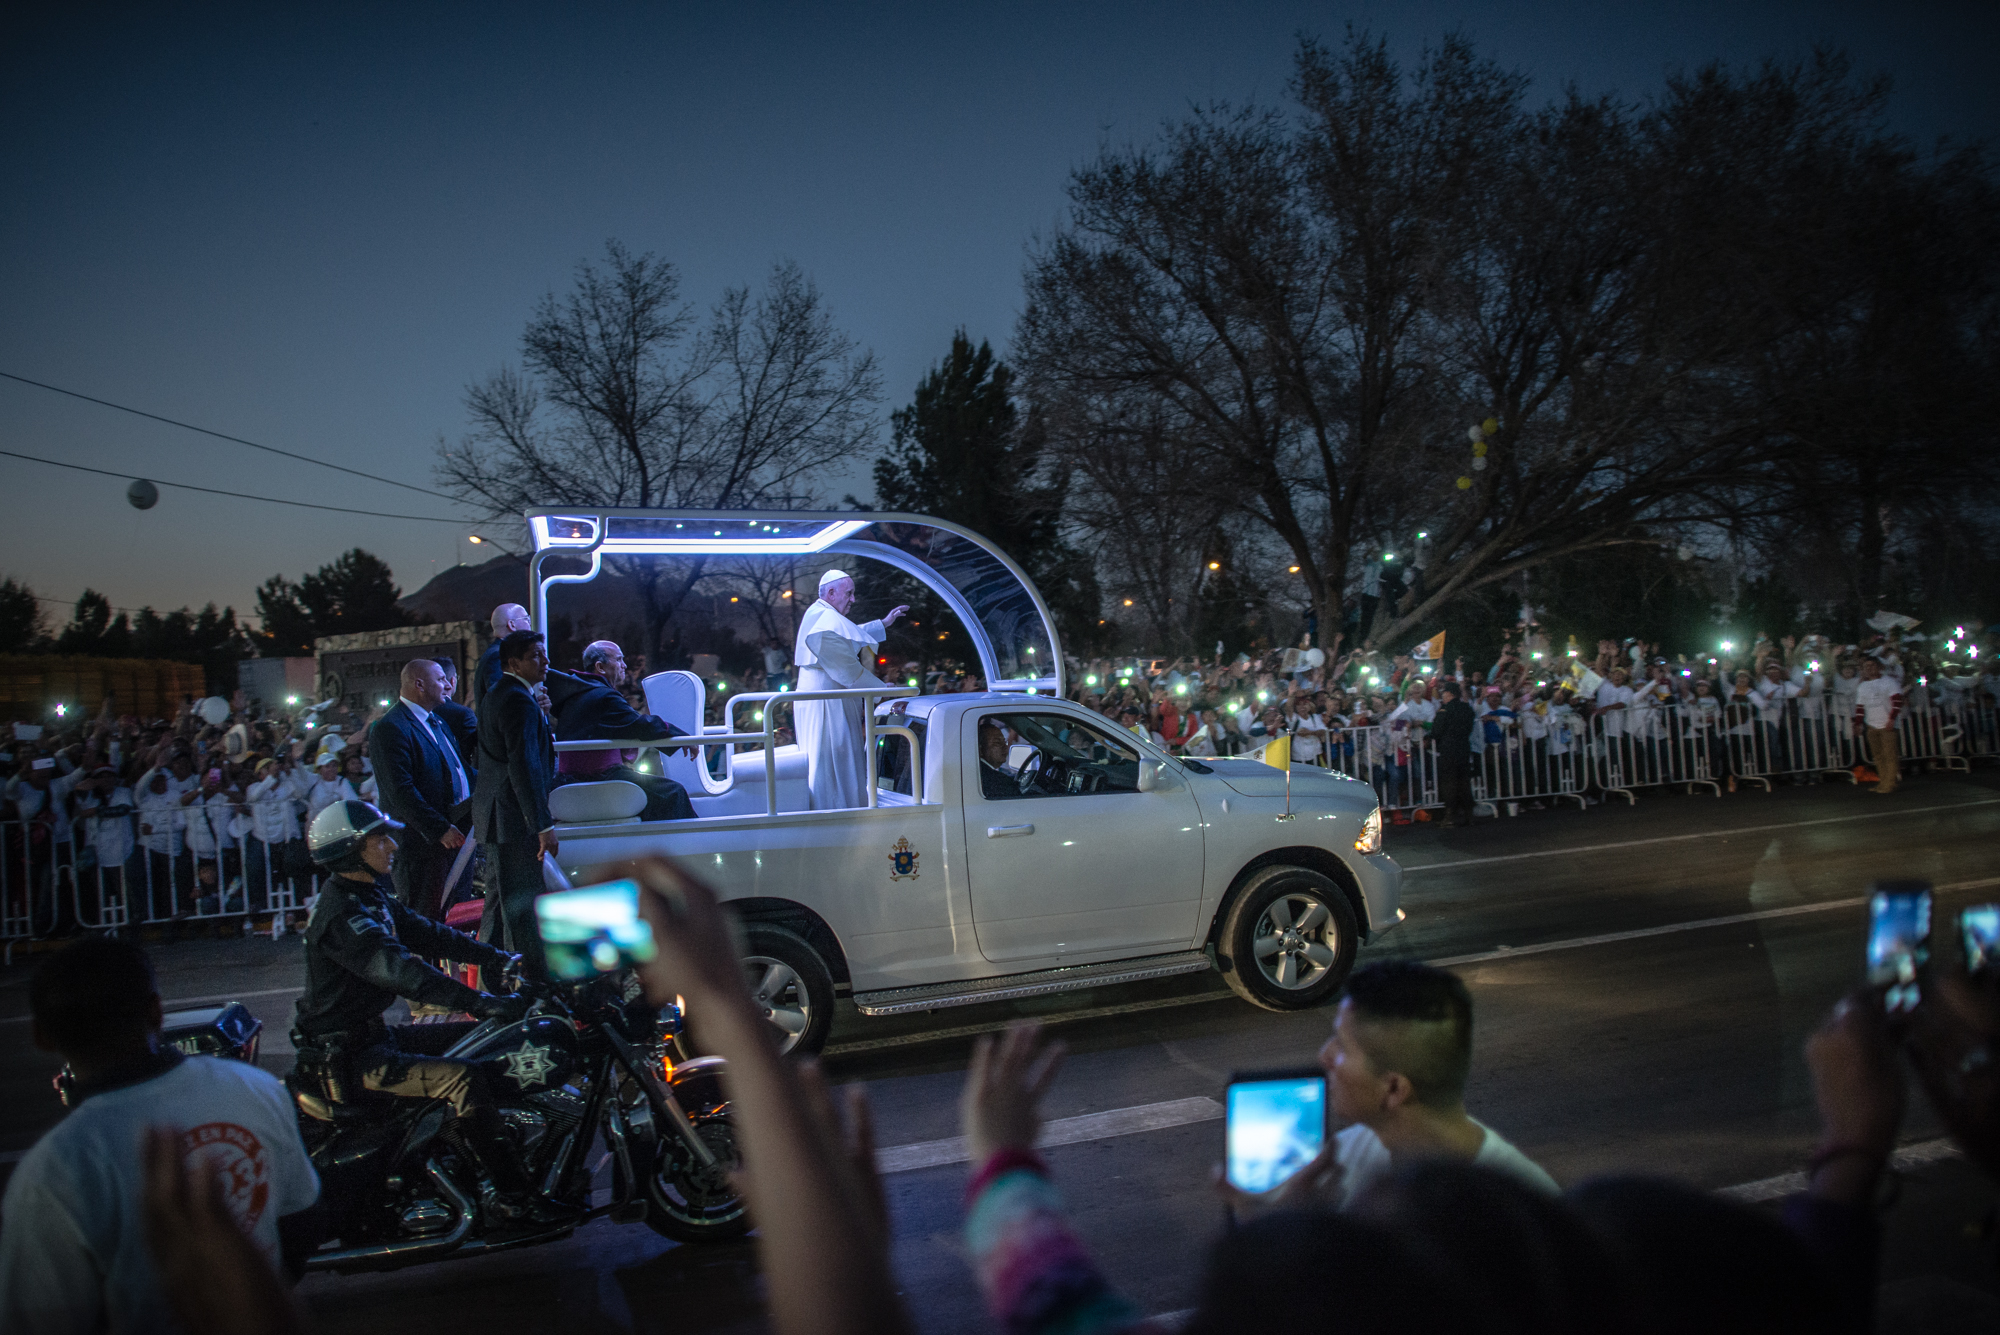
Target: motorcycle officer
{"x":364,"y":949}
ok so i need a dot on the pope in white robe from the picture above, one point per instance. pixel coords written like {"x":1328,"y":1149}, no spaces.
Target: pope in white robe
{"x":833,"y":654}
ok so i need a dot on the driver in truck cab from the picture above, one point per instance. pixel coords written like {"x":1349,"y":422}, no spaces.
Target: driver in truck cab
{"x":363,"y":950}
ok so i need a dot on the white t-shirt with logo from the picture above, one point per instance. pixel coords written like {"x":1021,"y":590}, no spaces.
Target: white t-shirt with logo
{"x":73,"y":1243}
{"x":1365,"y":1160}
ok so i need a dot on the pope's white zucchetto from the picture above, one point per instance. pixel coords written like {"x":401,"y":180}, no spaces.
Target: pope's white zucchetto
{"x":833,"y":577}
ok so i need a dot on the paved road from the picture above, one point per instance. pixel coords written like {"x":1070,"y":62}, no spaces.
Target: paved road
{"x":1644,"y":978}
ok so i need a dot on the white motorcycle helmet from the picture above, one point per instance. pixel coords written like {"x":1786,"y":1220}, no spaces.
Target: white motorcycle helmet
{"x":340,"y":833}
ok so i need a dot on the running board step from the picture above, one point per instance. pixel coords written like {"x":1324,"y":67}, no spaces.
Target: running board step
{"x":939,"y":996}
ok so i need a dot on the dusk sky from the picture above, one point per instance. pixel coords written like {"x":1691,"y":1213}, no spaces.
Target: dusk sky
{"x":312,"y":228}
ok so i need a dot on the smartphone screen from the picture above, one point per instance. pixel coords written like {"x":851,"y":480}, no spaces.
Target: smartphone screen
{"x":1980,"y":927}
{"x":1276,"y":1124}
{"x":1899,"y":935}
{"x":592,"y":930}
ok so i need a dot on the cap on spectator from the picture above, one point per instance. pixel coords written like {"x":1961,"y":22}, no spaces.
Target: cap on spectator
{"x":265,"y":764}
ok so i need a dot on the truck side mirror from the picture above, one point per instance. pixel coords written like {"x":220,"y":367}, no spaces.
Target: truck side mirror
{"x":1149,"y":775}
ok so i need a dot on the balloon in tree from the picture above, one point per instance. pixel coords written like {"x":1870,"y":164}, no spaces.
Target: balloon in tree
{"x":143,"y":494}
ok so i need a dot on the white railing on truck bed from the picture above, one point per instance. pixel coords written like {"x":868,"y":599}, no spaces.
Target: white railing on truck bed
{"x":768,"y":738}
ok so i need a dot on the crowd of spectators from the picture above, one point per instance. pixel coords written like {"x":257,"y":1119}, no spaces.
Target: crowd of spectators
{"x":1364,"y":711}
{"x":183,"y":815}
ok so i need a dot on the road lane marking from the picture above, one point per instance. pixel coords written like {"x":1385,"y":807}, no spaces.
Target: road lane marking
{"x":1640,"y":933}
{"x":1062,"y":1131}
{"x":994,"y":1027}
{"x":1920,"y":1155}
{"x":1706,"y":834}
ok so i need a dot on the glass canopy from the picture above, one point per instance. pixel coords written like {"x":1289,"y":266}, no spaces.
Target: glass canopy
{"x":995,"y":600}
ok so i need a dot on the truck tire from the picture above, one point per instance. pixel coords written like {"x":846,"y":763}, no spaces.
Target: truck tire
{"x":790,"y":984}
{"x":1288,"y":940}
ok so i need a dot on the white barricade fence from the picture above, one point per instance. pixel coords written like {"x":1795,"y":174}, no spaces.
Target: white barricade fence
{"x":108,"y":875}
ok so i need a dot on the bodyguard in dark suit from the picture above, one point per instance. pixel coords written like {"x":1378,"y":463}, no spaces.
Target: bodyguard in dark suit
{"x":507,"y":618}
{"x":510,"y":802}
{"x":1451,"y":734}
{"x":588,"y":706}
{"x":422,"y":782}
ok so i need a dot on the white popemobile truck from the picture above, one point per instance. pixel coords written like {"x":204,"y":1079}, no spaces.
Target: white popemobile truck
{"x":1015,"y":843}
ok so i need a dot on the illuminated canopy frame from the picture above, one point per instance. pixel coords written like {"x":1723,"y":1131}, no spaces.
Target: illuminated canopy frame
{"x":993,"y":598}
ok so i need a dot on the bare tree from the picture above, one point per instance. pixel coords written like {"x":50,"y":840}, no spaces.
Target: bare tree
{"x":627,"y":398}
{"x":1621,"y":303}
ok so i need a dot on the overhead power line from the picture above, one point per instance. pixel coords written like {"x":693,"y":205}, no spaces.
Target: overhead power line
{"x":238,"y":495}
{"x":235,"y":440}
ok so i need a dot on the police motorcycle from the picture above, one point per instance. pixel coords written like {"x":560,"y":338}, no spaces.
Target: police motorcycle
{"x":590,"y":1065}
{"x":583,"y":1077}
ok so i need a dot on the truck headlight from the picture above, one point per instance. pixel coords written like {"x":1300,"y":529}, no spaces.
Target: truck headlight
{"x":1371,"y":833}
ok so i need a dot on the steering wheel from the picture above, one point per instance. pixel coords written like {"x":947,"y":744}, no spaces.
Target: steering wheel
{"x":1029,"y":775}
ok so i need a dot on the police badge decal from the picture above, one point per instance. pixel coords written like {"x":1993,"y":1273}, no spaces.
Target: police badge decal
{"x":903,"y":862}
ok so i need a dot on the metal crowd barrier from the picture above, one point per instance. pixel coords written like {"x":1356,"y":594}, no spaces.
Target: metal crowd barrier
{"x":49,"y":885}
{"x":1568,"y":758}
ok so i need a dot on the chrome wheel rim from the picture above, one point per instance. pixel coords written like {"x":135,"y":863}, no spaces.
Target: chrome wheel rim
{"x":780,"y":994}
{"x":1294,"y":942}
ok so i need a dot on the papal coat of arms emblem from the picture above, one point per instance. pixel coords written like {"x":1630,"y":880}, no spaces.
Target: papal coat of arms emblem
{"x":903,"y":862}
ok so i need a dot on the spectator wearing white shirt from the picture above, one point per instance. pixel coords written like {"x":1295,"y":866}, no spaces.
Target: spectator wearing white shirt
{"x":1772,"y":693}
{"x":1408,"y":726}
{"x":1877,"y":701}
{"x":328,"y":786}
{"x":1308,"y":731}
{"x":276,"y":850}
{"x":104,"y":807}
{"x":73,"y":1254}
{"x":161,"y":878}
{"x":1397,"y":1067}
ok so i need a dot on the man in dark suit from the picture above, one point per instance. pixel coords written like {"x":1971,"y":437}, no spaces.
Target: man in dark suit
{"x":588,"y":706}
{"x":423,"y":782}
{"x":461,"y":722}
{"x":510,"y":802}
{"x":507,"y":618}
{"x":1451,"y":734}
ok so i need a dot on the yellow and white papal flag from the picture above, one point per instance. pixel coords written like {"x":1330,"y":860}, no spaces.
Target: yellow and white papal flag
{"x":1278,"y":752}
{"x":1431,"y":650}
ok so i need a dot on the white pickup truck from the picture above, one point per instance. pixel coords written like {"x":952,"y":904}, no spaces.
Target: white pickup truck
{"x":1014,"y":844}
{"x":1019,"y":845}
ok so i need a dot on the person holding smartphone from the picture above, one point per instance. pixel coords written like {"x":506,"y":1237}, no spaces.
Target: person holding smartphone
{"x":1396,"y":1071}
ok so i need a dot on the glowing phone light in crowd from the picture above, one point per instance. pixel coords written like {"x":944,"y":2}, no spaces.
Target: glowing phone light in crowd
{"x":61,"y":709}
{"x":1727,"y":645}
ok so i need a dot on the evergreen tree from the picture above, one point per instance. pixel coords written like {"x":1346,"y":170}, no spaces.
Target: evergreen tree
{"x":93,"y":630}
{"x":22,"y":626}
{"x":355,"y":592}
{"x":961,"y":452}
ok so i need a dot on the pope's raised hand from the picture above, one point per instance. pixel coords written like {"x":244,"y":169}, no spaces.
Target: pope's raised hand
{"x":894,"y":612}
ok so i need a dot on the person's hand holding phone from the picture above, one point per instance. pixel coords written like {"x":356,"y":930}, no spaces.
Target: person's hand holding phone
{"x":1000,"y":1108}
{"x":697,"y":954}
{"x":1953,"y":1039}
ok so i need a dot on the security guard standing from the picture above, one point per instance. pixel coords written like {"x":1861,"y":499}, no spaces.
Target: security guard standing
{"x":363,"y":950}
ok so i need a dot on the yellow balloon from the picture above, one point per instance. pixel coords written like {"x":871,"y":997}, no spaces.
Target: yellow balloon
{"x":1465,"y":484}
{"x":1479,"y":450}
{"x":1490,"y":425}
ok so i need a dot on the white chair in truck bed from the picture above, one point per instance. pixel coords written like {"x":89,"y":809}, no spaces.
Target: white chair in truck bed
{"x":680,"y":698}
{"x":607,"y":802}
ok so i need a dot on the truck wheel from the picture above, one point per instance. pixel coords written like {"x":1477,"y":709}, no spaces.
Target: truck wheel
{"x":1288,"y":940}
{"x":791,"y":985}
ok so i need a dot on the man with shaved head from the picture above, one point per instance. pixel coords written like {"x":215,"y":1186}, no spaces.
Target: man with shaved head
{"x":507,"y":618}
{"x":422,"y":780}
{"x":588,"y":705}
{"x":1396,"y":1070}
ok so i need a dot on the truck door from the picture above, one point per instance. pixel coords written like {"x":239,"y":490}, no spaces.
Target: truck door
{"x":1065,"y":856}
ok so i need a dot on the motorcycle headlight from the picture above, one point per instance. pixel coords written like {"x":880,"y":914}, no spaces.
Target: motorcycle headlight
{"x":1370,"y":840}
